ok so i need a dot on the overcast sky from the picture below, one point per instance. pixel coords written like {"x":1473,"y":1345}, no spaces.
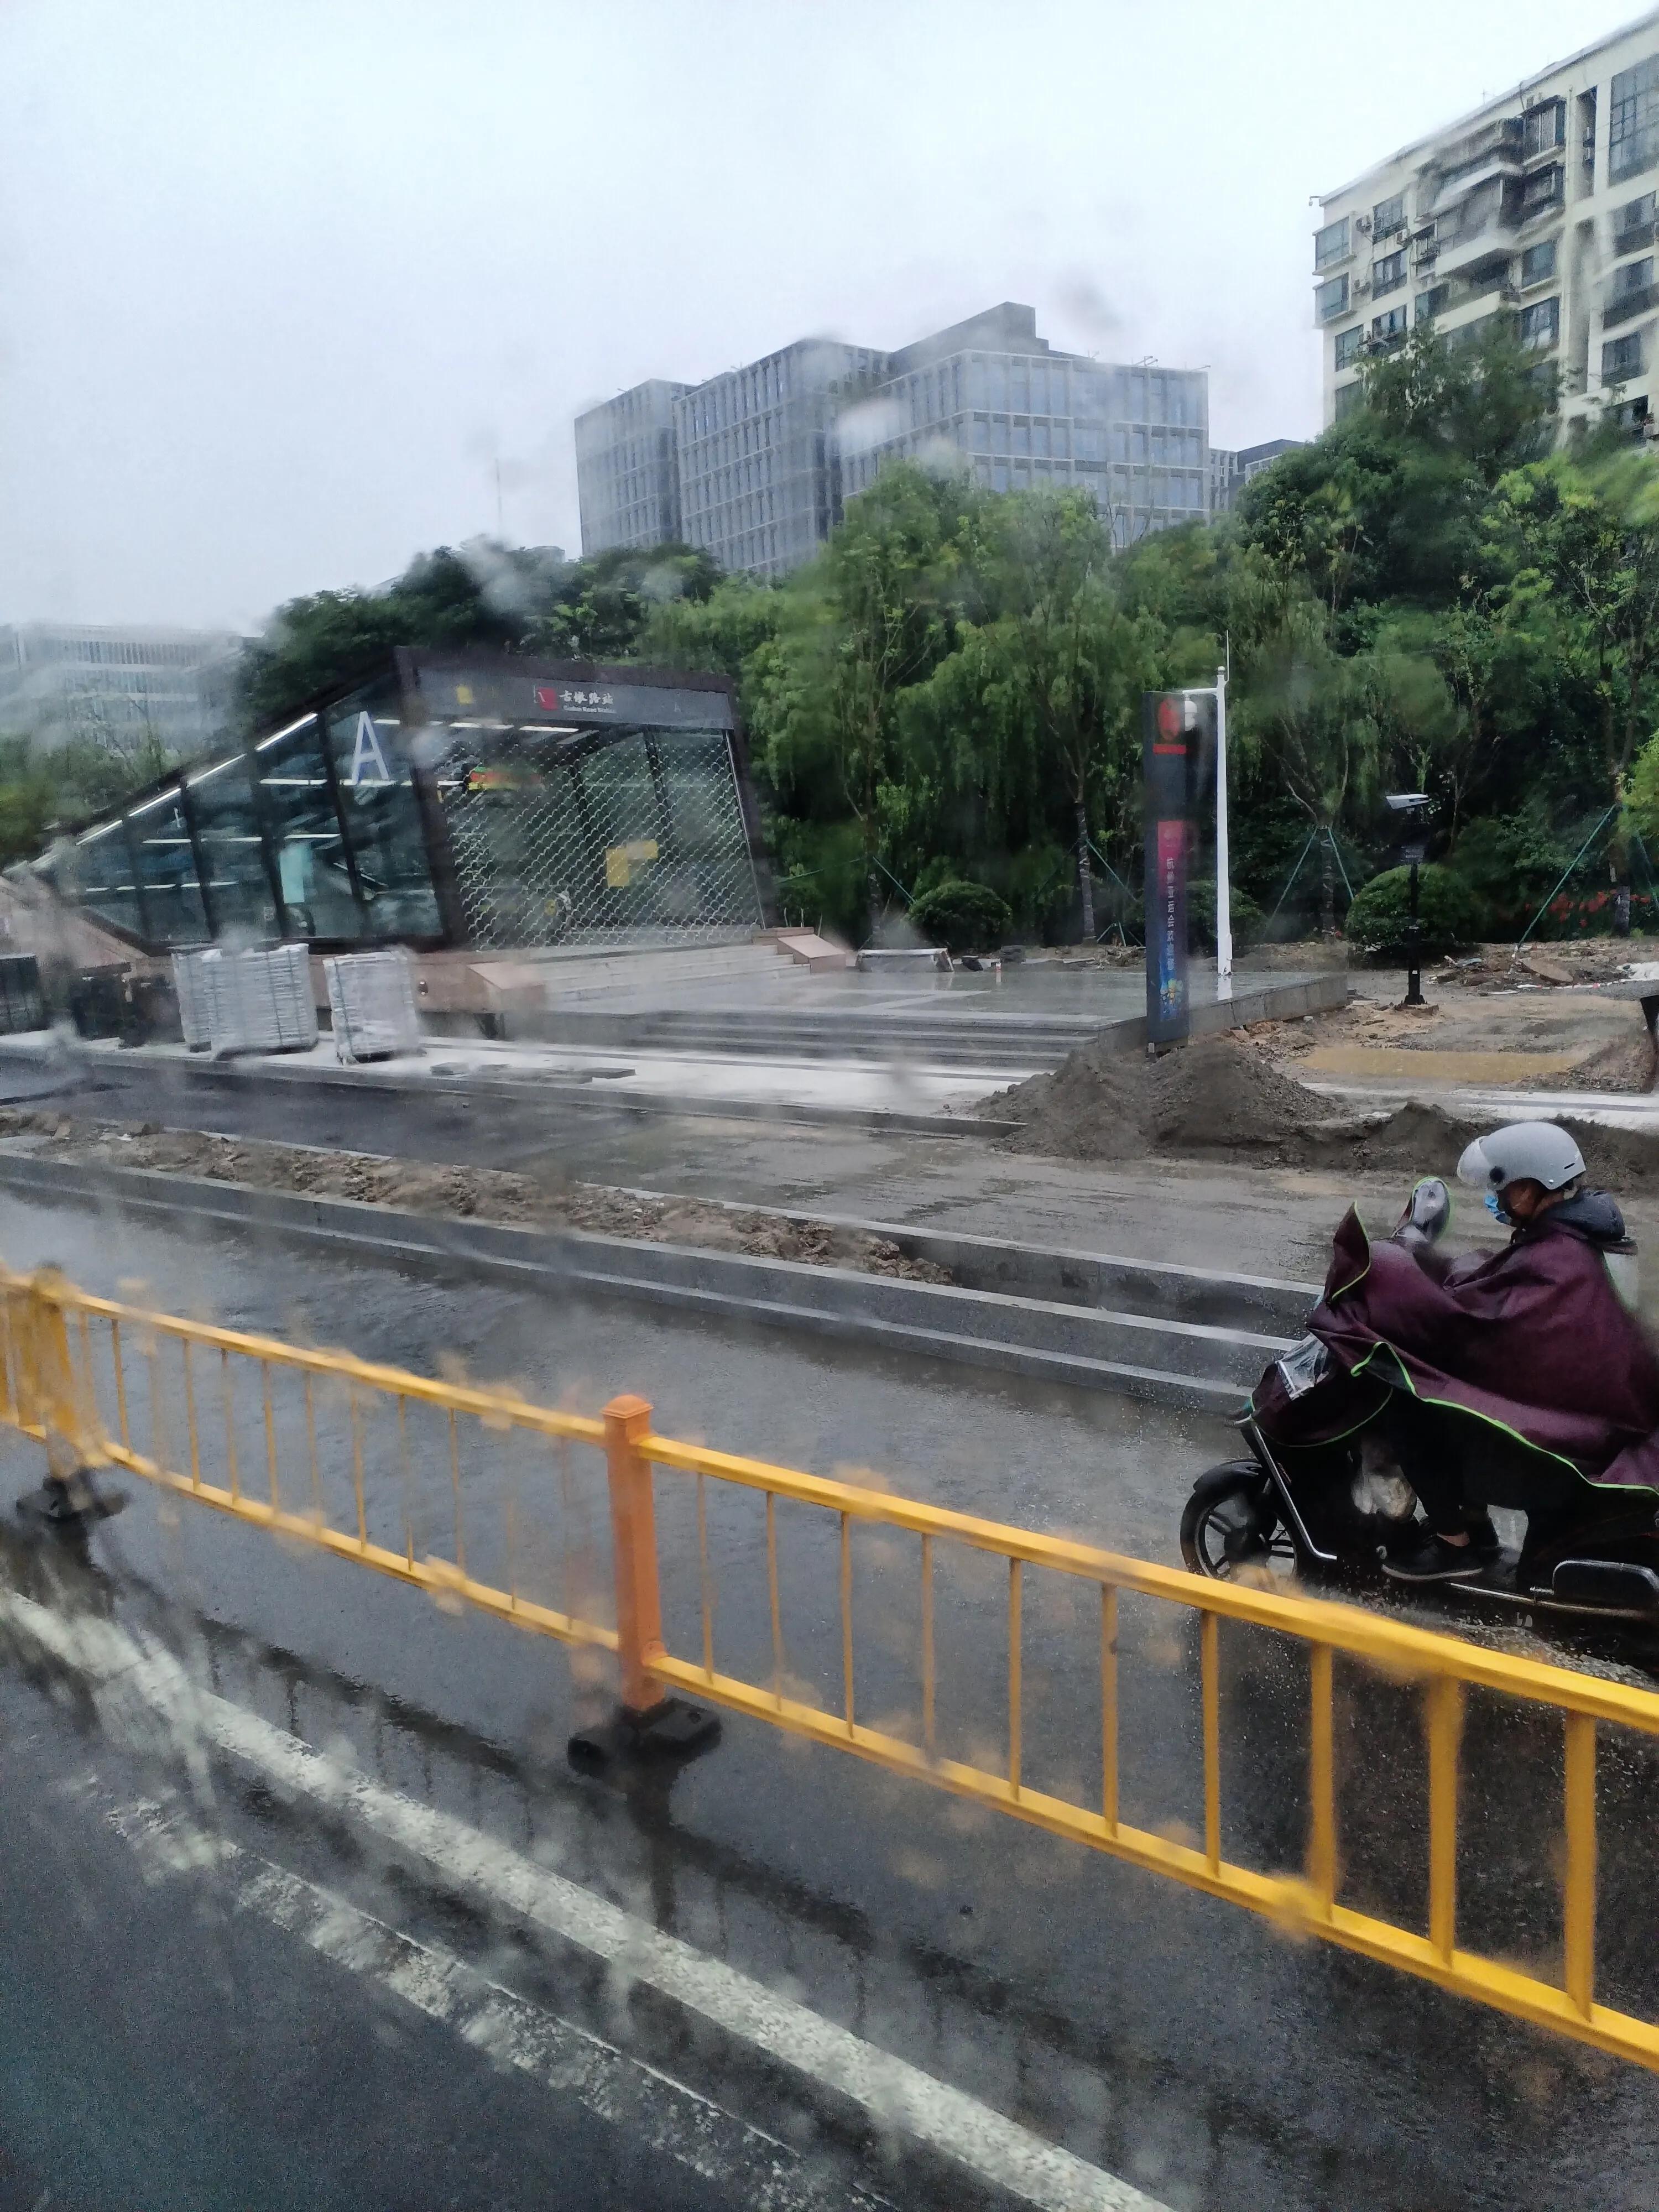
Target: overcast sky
{"x":281,"y":280}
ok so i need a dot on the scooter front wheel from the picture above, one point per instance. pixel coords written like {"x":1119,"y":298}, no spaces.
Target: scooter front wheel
{"x":1230,"y":1527}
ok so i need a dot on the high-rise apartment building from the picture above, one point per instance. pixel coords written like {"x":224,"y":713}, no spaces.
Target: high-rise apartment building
{"x":1537,"y":209}
{"x":627,"y":483}
{"x":766,"y":454}
{"x":119,"y":688}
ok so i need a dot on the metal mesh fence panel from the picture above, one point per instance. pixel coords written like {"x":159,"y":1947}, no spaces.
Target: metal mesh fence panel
{"x":629,"y":839}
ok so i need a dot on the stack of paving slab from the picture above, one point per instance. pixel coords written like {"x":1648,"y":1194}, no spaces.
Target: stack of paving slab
{"x":258,"y":1001}
{"x":190,"y":987}
{"x":371,"y":998}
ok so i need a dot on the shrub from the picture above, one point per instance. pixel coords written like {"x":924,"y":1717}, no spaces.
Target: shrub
{"x":1509,"y":861}
{"x":1379,"y":918}
{"x":962,"y":917}
{"x":1242,"y":910}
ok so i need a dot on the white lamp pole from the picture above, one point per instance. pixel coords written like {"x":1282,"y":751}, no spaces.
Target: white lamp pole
{"x":1223,"y":913}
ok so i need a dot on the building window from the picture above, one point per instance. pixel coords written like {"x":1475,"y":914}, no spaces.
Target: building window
{"x":1331,"y":243}
{"x":1633,"y":122}
{"x":1348,"y":397}
{"x":1389,"y":330}
{"x":1632,"y":224}
{"x":1543,"y":128}
{"x":1389,"y":274}
{"x":1331,"y":298}
{"x":1541,"y":325}
{"x":1543,"y":190}
{"x":1621,"y":358}
{"x":1538,"y":264}
{"x":1629,"y":290}
{"x":1388,"y":216}
{"x":1430,"y":303}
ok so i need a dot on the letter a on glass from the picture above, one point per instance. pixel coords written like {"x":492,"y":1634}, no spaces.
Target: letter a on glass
{"x":367,"y":752}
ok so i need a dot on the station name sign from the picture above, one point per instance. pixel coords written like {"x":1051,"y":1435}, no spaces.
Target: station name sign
{"x":453,"y":694}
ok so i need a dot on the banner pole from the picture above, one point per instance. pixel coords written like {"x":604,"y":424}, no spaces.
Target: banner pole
{"x":1223,"y":911}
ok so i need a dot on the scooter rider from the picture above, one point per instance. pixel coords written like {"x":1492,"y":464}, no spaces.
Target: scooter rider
{"x":1537,"y":1376}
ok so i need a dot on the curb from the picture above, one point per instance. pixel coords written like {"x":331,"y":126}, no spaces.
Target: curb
{"x":1181,"y":1365}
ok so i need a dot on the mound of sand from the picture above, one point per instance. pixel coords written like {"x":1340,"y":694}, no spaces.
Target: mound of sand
{"x":1215,"y":1095}
{"x":1220,"y":1099}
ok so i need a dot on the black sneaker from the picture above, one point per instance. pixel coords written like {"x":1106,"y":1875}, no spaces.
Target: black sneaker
{"x":1432,"y":1559}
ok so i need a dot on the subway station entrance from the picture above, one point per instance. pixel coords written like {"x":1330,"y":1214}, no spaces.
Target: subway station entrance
{"x":467,"y":801}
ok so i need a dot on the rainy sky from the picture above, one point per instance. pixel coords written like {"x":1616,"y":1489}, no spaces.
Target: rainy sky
{"x":289,"y":287}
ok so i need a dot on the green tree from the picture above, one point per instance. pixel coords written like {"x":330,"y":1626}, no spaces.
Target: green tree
{"x":717,"y":633}
{"x":871,"y":617}
{"x":502,"y":599}
{"x":602,"y":607}
{"x":1584,"y":558}
{"x":1040,"y":699}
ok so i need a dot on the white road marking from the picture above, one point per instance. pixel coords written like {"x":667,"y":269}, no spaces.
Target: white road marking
{"x":139,"y":1686}
{"x":654,"y":2111}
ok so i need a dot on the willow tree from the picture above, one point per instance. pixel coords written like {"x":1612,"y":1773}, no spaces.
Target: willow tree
{"x":872,"y":617}
{"x":1036,"y":713}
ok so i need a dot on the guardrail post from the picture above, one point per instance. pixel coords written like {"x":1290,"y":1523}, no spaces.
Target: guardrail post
{"x":647,"y":1721}
{"x":59,"y":1395}
{"x":634,"y":1540}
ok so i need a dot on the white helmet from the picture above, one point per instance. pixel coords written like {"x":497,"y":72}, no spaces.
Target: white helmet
{"x":1525,"y":1152}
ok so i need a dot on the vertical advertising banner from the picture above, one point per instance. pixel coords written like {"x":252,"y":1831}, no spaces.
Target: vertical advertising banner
{"x":1177,"y":738}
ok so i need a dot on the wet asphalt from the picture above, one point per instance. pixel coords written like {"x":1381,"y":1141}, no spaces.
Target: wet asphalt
{"x":1168,"y":2038}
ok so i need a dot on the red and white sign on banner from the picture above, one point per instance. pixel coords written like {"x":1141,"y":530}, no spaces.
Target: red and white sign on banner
{"x":547,"y":696}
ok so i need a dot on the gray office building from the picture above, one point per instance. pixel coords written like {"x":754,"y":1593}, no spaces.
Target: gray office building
{"x":1231,"y":467}
{"x":767,"y":455}
{"x":626,"y":477}
{"x":1136,"y":438}
{"x":760,"y":474}
{"x":119,"y":688}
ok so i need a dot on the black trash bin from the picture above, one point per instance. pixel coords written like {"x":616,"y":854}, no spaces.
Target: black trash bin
{"x":97,"y":1003}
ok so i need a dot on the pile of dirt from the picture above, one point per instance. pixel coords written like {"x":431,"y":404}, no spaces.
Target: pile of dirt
{"x":1624,"y":1065}
{"x":466,"y":1193}
{"x":1221,"y":1099}
{"x":1218,"y":1095}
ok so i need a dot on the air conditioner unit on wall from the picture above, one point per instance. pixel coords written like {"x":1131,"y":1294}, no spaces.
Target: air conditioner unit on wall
{"x":1362,"y":223}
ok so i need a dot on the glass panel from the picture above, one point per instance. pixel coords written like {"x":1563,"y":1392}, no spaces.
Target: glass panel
{"x":96,"y":871}
{"x":233,"y":852}
{"x":167,"y":869}
{"x":1633,"y":124}
{"x":1331,"y":243}
{"x":377,"y":791}
{"x":310,"y":855}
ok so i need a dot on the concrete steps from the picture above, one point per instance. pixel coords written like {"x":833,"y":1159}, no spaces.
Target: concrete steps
{"x":945,"y":1039}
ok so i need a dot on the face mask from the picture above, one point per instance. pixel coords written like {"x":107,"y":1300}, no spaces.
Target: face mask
{"x":1495,"y":1208}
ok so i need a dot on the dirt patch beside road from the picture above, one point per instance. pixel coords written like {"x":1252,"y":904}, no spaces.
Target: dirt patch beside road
{"x":1221,"y":1098}
{"x":471,"y":1193}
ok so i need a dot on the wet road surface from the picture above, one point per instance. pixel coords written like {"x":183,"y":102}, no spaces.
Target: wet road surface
{"x":1156,"y":2035}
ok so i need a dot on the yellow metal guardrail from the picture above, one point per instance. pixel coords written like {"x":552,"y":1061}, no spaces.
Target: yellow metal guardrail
{"x":67,"y":1362}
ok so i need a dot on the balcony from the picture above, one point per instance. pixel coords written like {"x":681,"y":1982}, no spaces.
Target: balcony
{"x":1493,"y":152}
{"x":1473,"y":254}
{"x":1624,"y":307}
